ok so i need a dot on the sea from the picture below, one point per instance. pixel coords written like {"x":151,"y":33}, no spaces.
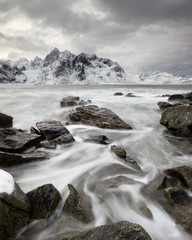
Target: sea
{"x":87,"y":165}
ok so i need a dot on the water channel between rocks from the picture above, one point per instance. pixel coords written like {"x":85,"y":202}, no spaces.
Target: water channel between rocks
{"x":86,"y":165}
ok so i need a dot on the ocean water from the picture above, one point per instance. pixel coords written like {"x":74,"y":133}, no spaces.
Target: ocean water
{"x":85,"y":165}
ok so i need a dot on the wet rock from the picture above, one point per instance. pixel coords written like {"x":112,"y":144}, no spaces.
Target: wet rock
{"x":5,"y":121}
{"x":14,"y":212}
{"x":121,"y":230}
{"x":54,"y":131}
{"x":15,"y":140}
{"x":164,"y":105}
{"x":77,"y":206}
{"x":44,"y":200}
{"x":100,"y":117}
{"x":183,"y":173}
{"x":182,"y":206}
{"x":179,"y":120}
{"x":101,"y":139}
{"x":12,"y":159}
{"x":130,"y":95}
{"x":181,"y":98}
{"x":121,"y":154}
{"x":118,"y":94}
{"x":110,"y":183}
{"x":73,"y":101}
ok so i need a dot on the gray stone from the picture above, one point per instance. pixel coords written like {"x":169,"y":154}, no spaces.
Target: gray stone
{"x":118,"y":94}
{"x":182,"y":206}
{"x":54,"y":131}
{"x":78,"y":206}
{"x":12,"y":159}
{"x":44,"y":200}
{"x":15,"y":140}
{"x":101,"y":139}
{"x":121,"y":230}
{"x":183,"y":173}
{"x":5,"y":121}
{"x":100,"y":117}
{"x":14,"y":213}
{"x":179,"y":120}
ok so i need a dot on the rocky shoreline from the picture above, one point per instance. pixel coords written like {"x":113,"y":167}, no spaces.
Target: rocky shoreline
{"x":46,"y":204}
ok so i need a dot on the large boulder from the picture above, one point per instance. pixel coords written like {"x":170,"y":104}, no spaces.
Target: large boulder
{"x":54,"y":131}
{"x":183,"y":173}
{"x":78,"y":206}
{"x":16,"y":140}
{"x":44,"y":200}
{"x":100,"y":117}
{"x":5,"y":121}
{"x":14,"y":207}
{"x":121,"y":230}
{"x":12,"y":159}
{"x":179,"y":120}
{"x":181,"y":98}
{"x":164,"y":105}
{"x":73,"y":101}
{"x":182,"y":206}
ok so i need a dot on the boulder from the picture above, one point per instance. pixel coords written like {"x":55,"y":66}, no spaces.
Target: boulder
{"x":130,"y":95}
{"x":183,"y":173}
{"x":100,"y":117}
{"x":179,"y":120}
{"x":12,"y":159}
{"x":121,"y":154}
{"x":44,"y":200}
{"x":116,"y":231}
{"x":5,"y":121}
{"x":182,"y":206}
{"x":101,"y":139}
{"x":16,"y":140}
{"x":14,"y":207}
{"x":181,"y":98}
{"x":55,"y":131}
{"x":78,"y":206}
{"x":118,"y":94}
{"x":73,"y":101}
{"x":164,"y":105}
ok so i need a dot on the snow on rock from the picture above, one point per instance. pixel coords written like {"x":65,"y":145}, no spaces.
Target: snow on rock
{"x":63,"y":68}
{"x":6,"y":182}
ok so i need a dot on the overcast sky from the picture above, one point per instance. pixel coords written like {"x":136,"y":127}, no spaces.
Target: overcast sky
{"x":141,"y":35}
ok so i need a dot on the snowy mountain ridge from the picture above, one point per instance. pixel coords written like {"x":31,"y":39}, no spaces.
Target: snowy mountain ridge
{"x":62,"y":68}
{"x":68,"y":68}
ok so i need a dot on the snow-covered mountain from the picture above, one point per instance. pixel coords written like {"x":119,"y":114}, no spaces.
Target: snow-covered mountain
{"x":63,"y":67}
{"x":162,"y":78}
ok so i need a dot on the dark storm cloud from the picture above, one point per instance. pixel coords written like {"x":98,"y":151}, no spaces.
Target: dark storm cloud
{"x":146,"y":11}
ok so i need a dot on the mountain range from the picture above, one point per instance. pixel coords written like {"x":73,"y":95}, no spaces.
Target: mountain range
{"x":67,"y":68}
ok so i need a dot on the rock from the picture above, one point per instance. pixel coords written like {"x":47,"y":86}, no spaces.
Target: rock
{"x":15,"y":140}
{"x":179,"y":120}
{"x":101,"y":139}
{"x":116,"y":231}
{"x":164,"y":105}
{"x":182,"y":206}
{"x":121,"y":154}
{"x":183,"y":173}
{"x":5,"y":121}
{"x":77,"y":206}
{"x":118,"y":94}
{"x":73,"y":101}
{"x":12,"y":159}
{"x":44,"y":200}
{"x":100,"y":117}
{"x":103,"y":186}
{"x":14,"y":212}
{"x":181,"y":98}
{"x":54,"y":131}
{"x":130,"y":95}
{"x":34,"y":131}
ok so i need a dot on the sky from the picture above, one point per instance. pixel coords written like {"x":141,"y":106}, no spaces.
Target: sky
{"x":141,"y":35}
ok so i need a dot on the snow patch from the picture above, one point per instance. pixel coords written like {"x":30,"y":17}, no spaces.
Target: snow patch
{"x":6,"y":182}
